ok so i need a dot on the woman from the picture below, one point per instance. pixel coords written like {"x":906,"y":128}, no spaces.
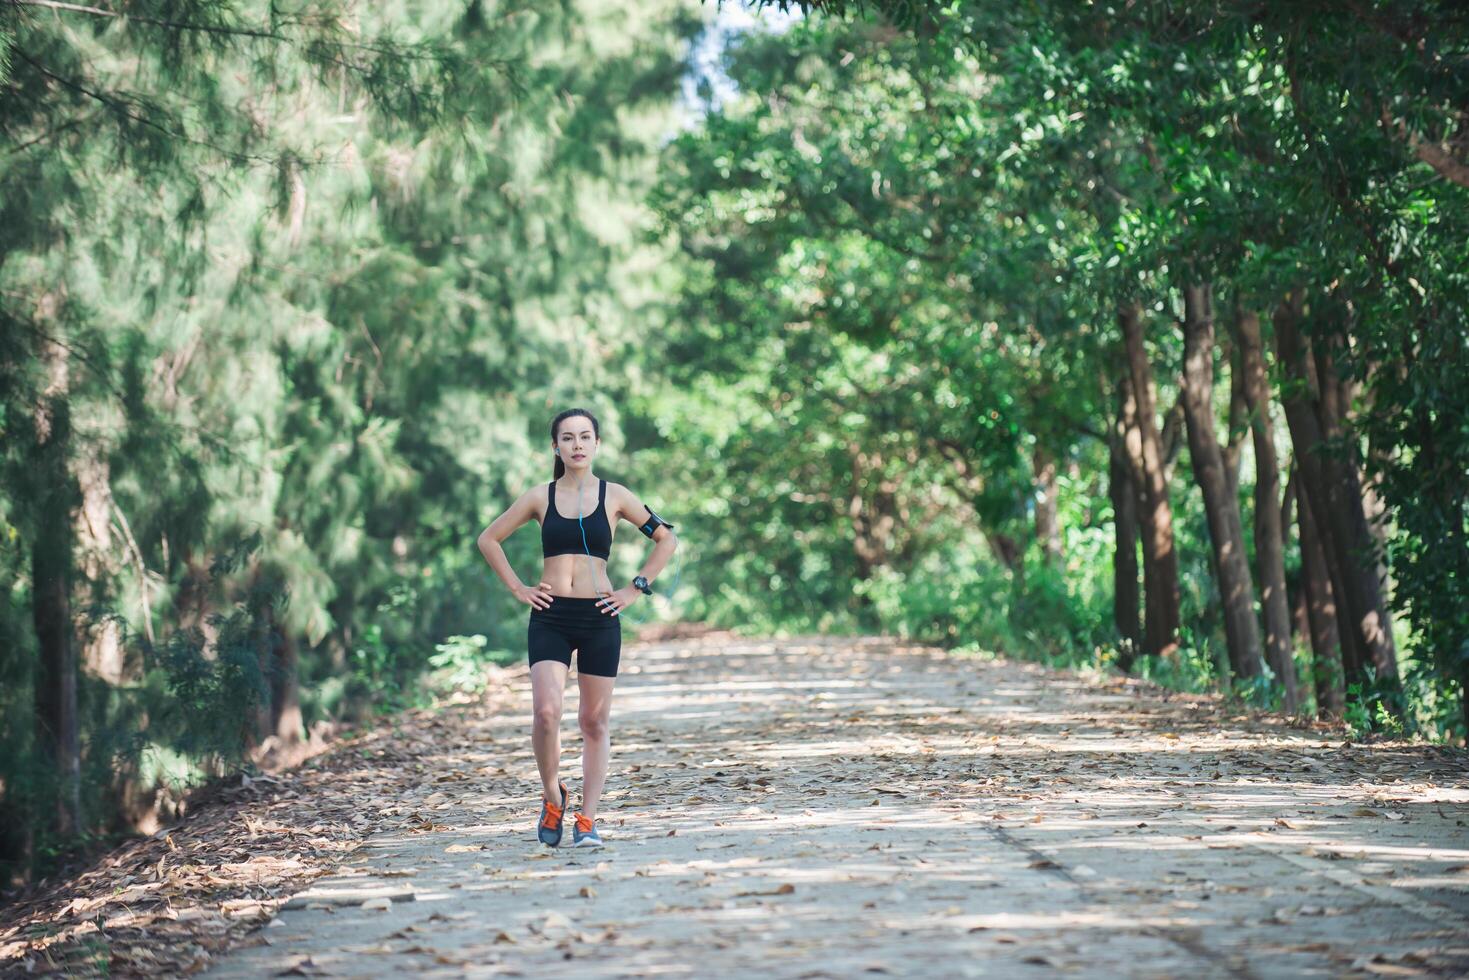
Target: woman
{"x":575,"y":607}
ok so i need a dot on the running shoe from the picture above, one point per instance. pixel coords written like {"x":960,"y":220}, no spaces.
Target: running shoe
{"x":548,"y":829}
{"x":584,"y":833}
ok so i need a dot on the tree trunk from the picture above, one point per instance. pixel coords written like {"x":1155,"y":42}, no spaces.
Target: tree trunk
{"x":1130,"y":442}
{"x":1299,"y":401}
{"x":1221,"y":506}
{"x":1047,"y":526}
{"x":1327,"y":672}
{"x":1160,"y":560}
{"x":263,"y":639}
{"x":1300,"y":623}
{"x":1337,"y":394}
{"x":278,"y":721}
{"x":51,"y":574}
{"x":1173,"y":436}
{"x":1335,"y":493}
{"x":1008,"y":550}
{"x":1239,"y":418}
{"x":1123,"y":490}
{"x":102,"y":653}
{"x":871,"y":508}
{"x":1269,"y":535}
{"x":1464,"y":687}
{"x":285,"y":691}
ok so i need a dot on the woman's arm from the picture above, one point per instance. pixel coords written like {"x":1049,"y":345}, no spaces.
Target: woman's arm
{"x":626,"y":505}
{"x":518,"y":513}
{"x":665,"y":542}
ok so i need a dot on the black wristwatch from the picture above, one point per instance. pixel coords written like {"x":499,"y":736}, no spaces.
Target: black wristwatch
{"x":641,"y":584}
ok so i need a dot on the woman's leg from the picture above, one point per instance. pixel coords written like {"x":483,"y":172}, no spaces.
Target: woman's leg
{"x":547,"y":685}
{"x":592,"y":716}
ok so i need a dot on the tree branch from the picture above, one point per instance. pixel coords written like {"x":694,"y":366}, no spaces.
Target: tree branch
{"x":220,"y":29}
{"x":121,"y":107}
{"x":1436,"y":155}
{"x":55,"y":131}
{"x":157,"y":22}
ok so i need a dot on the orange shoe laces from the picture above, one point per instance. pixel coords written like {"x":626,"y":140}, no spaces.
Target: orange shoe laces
{"x":584,"y":824}
{"x":553,"y":815}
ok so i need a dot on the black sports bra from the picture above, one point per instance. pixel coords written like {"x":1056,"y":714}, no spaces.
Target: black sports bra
{"x":563,"y":536}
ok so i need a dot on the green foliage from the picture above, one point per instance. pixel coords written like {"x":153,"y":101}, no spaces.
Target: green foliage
{"x":317,"y":282}
{"x":1198,"y":666}
{"x":286,"y":302}
{"x":1369,"y":712}
{"x":213,"y":690}
{"x":459,"y":663}
{"x":902,"y":249}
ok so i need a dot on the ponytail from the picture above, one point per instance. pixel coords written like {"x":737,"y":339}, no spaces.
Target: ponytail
{"x":560,"y":467}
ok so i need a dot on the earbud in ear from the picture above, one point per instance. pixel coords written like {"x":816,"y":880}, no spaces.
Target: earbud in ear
{"x":556,"y":451}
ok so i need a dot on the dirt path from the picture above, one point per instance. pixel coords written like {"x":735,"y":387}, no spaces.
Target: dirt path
{"x":833,"y":808}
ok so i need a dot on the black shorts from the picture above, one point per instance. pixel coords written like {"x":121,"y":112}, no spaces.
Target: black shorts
{"x":571,"y":623}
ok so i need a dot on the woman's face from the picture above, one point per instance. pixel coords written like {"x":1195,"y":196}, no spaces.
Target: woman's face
{"x":577,"y":441}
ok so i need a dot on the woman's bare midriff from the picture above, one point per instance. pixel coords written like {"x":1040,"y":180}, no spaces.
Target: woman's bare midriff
{"x":580,"y":576}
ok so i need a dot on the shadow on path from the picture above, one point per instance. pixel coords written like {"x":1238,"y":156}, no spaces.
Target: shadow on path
{"x":838,"y":807}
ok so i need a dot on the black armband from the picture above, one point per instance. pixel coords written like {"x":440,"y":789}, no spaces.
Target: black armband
{"x":653,"y":522}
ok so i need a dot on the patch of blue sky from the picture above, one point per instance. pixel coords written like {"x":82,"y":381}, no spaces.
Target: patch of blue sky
{"x":706,"y":86}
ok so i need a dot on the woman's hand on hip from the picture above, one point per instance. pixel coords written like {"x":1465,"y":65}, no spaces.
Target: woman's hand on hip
{"x":616,"y":602}
{"x":538,"y":597}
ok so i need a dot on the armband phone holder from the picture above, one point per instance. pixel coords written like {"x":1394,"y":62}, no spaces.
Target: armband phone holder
{"x":653,"y":522}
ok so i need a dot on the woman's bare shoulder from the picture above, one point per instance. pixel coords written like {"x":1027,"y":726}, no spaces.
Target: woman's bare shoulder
{"x":628,"y":505}
{"x":529,"y":506}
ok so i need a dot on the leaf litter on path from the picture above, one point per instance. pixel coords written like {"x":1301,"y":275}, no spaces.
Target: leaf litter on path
{"x":1090,"y":779}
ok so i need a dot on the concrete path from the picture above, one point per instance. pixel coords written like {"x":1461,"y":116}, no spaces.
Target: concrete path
{"x":849,"y":807}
